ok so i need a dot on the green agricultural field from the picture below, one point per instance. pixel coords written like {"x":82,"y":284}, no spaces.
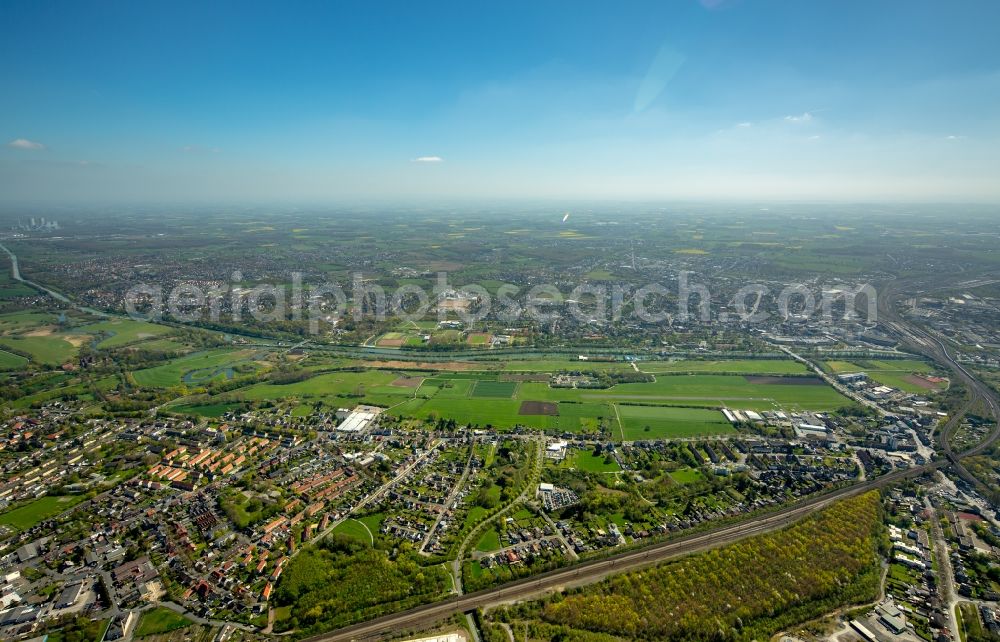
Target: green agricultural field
{"x":17,"y":321}
{"x":564,"y":365}
{"x":51,"y":350}
{"x":24,"y":517}
{"x":890,"y":372}
{"x":160,"y":620}
{"x":710,"y":391}
{"x":842,"y":367}
{"x":664,"y":422}
{"x":451,"y":388}
{"x":737,"y":366}
{"x":10,"y":361}
{"x":500,"y":389}
{"x":124,"y":331}
{"x":574,"y":417}
{"x":10,"y":289}
{"x":192,"y":369}
{"x":462,"y":399}
{"x":495,"y":412}
{"x":332,"y":384}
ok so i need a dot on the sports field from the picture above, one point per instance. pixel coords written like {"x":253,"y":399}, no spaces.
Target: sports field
{"x":24,"y":517}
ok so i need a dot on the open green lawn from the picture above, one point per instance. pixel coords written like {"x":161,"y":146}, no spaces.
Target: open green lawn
{"x":9,"y":361}
{"x":373,"y":521}
{"x":664,"y":422}
{"x":24,"y":517}
{"x":192,"y":369}
{"x":354,"y":529}
{"x":160,"y":620}
{"x":740,"y":366}
{"x":474,"y":515}
{"x":490,"y":541}
{"x":51,"y":350}
{"x":686,"y":475}
{"x":121,"y":332}
{"x":587,"y":461}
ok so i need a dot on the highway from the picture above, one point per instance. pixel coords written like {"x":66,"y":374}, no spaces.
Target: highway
{"x":592,"y":571}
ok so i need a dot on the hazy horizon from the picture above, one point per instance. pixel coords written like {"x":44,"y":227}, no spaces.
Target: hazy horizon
{"x":711,"y":101}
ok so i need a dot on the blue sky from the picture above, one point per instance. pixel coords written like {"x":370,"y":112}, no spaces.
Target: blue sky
{"x":324,"y":101}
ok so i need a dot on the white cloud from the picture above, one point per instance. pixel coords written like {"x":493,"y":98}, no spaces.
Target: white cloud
{"x":954,"y":137}
{"x":428,"y":159}
{"x":803,"y":118}
{"x":744,"y":125}
{"x":24,"y":143}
